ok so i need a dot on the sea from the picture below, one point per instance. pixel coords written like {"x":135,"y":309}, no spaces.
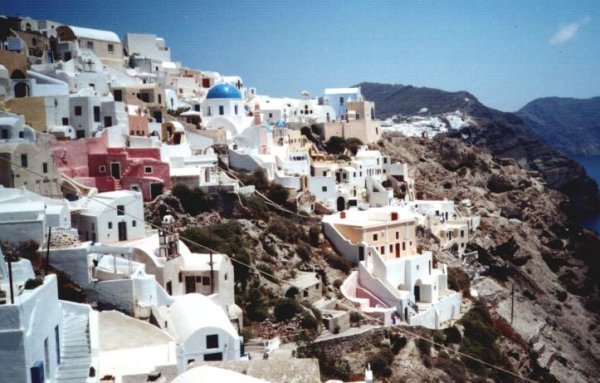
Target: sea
{"x":592,"y":166}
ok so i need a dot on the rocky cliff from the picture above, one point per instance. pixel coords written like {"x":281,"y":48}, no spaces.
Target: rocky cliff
{"x":502,"y":134}
{"x":568,"y":124}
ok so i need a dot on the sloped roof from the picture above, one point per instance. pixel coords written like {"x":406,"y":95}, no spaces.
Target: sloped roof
{"x":96,"y":34}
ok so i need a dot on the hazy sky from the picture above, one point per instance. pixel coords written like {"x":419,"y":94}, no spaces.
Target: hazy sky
{"x":504,"y":52}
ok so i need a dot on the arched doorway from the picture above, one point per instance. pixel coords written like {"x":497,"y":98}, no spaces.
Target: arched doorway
{"x":21,"y":90}
{"x":17,"y":74}
{"x":417,"y":290}
{"x":341,"y":204}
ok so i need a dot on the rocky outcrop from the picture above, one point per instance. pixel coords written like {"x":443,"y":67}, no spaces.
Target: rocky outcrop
{"x":526,"y":238}
{"x":568,"y":124}
{"x":502,"y":134}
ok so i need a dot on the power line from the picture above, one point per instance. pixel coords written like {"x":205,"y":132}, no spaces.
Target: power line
{"x":402,"y":329}
{"x":188,"y":240}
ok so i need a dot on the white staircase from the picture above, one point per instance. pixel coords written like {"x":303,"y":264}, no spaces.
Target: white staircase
{"x":75,"y":354}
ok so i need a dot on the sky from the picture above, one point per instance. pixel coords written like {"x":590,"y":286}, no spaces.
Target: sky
{"x":506,"y":53}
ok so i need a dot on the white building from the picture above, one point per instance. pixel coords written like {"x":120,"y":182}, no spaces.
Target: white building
{"x":146,"y":45}
{"x":110,"y":217}
{"x":394,"y":280}
{"x":44,"y":339}
{"x":338,"y":99}
{"x":224,"y":108}
{"x":25,"y":216}
{"x":202,"y":330}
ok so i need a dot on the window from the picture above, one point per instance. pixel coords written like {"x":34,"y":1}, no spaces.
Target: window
{"x":382,"y":250}
{"x":118,"y":94}
{"x":180,"y":275}
{"x":324,"y":188}
{"x":21,"y":134}
{"x":221,"y":110}
{"x":90,"y":45}
{"x":111,"y":48}
{"x":397,"y":235}
{"x":403,"y":246}
{"x":96,"y":114}
{"x":120,"y":209}
{"x":133,"y":223}
{"x":212,"y":341}
{"x":375,"y":237}
{"x":235,"y":108}
{"x":110,"y":225}
{"x":148,"y":169}
{"x":209,"y":112}
{"x":205,"y":281}
{"x":45,"y":167}
{"x":65,"y":121}
{"x":225,"y":276}
{"x":78,"y":110}
{"x":101,"y":169}
{"x":24,"y":160}
{"x":341,"y":100}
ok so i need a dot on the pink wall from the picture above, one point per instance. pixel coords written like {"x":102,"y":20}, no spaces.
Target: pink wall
{"x":82,"y":159}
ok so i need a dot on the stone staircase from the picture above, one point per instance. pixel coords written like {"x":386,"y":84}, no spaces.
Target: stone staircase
{"x":75,"y":353}
{"x":118,"y":184}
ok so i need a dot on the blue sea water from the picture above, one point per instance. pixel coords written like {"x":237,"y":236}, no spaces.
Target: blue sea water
{"x":592,"y":166}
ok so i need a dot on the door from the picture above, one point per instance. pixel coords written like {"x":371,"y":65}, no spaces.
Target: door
{"x":115,"y":170}
{"x":397,"y":250}
{"x":190,"y":285}
{"x":341,"y":204}
{"x":107,"y":121}
{"x":122,"y":231}
{"x":417,"y":293}
{"x":156,"y":189}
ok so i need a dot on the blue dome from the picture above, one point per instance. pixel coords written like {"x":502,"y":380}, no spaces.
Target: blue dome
{"x":223,"y":91}
{"x":281,"y":124}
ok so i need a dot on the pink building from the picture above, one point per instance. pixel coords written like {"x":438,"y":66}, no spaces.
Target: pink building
{"x":92,"y":163}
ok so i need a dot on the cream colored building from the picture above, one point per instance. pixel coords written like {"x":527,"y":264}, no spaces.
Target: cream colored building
{"x":360,"y":123}
{"x":106,"y":45}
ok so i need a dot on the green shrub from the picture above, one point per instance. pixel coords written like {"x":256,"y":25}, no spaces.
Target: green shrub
{"x":398,"y":342}
{"x":247,"y":333}
{"x":337,"y":262}
{"x":381,"y":361}
{"x":452,"y":335}
{"x":314,"y":235}
{"x":309,"y":322}
{"x":32,"y":283}
{"x":303,"y":251}
{"x":479,"y":341}
{"x":286,"y":230}
{"x":278,"y":194}
{"x":454,"y":368}
{"x":286,"y":309}
{"x":193,"y":201}
{"x":353,"y":143}
{"x":335,"y":145}
{"x":355,"y":317}
{"x":338,"y":283}
{"x":267,"y":272}
{"x":257,"y":206}
{"x":458,"y":280}
{"x":292,"y":292}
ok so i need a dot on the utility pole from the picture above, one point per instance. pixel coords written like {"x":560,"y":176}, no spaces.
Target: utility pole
{"x":512,"y":304}
{"x":10,"y":279}
{"x":48,"y":248}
